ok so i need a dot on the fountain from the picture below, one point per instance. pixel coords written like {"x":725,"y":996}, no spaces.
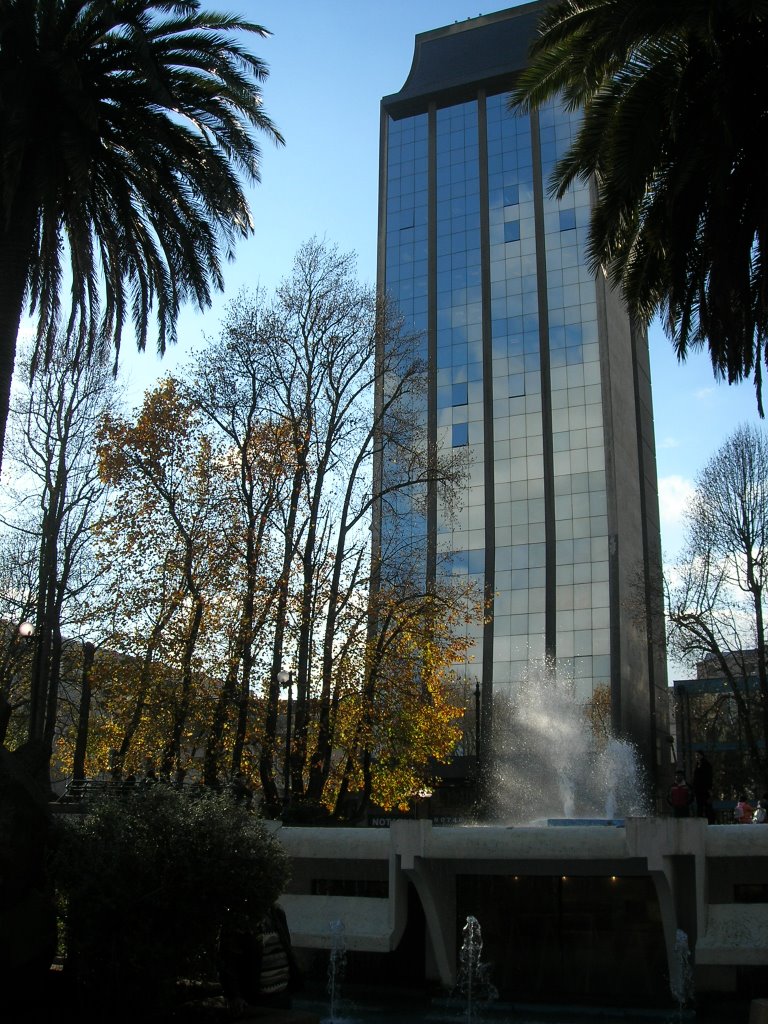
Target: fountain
{"x":473,"y":983}
{"x":567,"y":918}
{"x":553,"y":767}
{"x":681,"y":980}
{"x":336,"y":966}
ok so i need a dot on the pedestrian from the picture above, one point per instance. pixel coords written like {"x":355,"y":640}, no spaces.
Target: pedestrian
{"x":743,"y":811}
{"x":702,"y":787}
{"x":760,"y":817}
{"x":256,"y":962}
{"x":149,"y":777}
{"x":680,"y":796}
{"x":240,"y":791}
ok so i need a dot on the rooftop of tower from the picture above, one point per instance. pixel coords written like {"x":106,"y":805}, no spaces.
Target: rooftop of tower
{"x":453,"y":61}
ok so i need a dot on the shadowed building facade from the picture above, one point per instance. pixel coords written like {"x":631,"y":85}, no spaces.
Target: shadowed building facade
{"x":536,"y":370}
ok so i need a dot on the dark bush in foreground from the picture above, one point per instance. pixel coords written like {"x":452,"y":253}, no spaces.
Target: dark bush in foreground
{"x":144,"y":882}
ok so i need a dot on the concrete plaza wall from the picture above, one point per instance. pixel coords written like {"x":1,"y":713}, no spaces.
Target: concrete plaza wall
{"x":710,"y":881}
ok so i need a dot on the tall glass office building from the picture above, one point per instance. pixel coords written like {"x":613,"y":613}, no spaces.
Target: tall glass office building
{"x":535,"y":370}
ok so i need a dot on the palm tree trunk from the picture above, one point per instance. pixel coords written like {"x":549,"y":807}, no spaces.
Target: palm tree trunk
{"x":16,"y":244}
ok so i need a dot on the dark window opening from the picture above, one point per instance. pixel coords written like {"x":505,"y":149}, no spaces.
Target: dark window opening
{"x":511,"y":195}
{"x":567,"y":220}
{"x":460,"y":435}
{"x":371,"y":887}
{"x":459,"y":394}
{"x":750,"y":892}
{"x":512,"y":231}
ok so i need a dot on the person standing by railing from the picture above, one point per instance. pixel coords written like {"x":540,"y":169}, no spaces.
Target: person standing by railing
{"x":702,"y":787}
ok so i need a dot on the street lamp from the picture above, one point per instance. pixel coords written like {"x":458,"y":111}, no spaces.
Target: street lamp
{"x":24,"y":631}
{"x":477,"y":727}
{"x":37,"y":711}
{"x":284,"y":677}
{"x":81,"y":739}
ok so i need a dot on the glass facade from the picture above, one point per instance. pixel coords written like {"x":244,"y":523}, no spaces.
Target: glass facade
{"x":582,"y":640}
{"x":536,"y":375}
{"x":407,"y":277}
{"x":484,"y":172}
{"x":518,"y":450}
{"x":459,"y":340}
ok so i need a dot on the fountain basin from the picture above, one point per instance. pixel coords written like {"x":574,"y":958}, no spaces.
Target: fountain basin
{"x":615,"y":822}
{"x":479,"y":864}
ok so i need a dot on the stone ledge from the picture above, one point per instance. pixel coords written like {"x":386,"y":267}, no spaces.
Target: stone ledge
{"x":737,"y":933}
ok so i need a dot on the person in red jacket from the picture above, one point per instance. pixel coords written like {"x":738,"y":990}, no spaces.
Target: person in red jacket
{"x":743,"y":811}
{"x":680,"y":796}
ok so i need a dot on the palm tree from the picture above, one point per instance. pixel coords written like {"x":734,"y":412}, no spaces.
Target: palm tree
{"x":126,"y":131}
{"x":675,"y":134}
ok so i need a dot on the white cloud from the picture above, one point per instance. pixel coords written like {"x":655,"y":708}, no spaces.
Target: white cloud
{"x":674,"y":494}
{"x":703,"y":393}
{"x":668,"y":442}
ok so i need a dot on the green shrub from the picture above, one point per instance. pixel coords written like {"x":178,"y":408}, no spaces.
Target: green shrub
{"x":144,"y":883}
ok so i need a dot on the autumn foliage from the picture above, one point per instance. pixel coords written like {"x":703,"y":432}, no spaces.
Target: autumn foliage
{"x":234,"y":542}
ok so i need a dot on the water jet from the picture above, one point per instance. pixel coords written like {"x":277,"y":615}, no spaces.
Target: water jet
{"x":473,"y":983}
{"x":336,"y":965}
{"x":553,"y":762}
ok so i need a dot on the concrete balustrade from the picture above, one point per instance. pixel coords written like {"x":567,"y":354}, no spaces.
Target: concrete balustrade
{"x":702,"y":874}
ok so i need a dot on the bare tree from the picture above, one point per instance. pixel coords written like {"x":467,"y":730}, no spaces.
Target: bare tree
{"x":167,"y":522}
{"x":228,"y":384}
{"x":243,"y":500}
{"x":59,"y":495}
{"x":18,"y":564}
{"x":715,"y":595}
{"x":319,"y":347}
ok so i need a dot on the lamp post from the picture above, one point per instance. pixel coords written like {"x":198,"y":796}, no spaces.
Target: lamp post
{"x":24,"y":632}
{"x":37,"y":698}
{"x":81,"y":741}
{"x":477,"y":723}
{"x":284,"y":677}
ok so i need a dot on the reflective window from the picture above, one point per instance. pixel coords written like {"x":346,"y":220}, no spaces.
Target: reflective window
{"x":515,"y":399}
{"x":511,"y":195}
{"x":458,"y":281}
{"x":567,"y":219}
{"x":406,"y":280}
{"x":577,"y":438}
{"x":512,"y":231}
{"x":459,"y":394}
{"x":460,"y":435}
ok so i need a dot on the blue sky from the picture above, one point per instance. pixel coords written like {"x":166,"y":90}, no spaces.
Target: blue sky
{"x":330,"y":64}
